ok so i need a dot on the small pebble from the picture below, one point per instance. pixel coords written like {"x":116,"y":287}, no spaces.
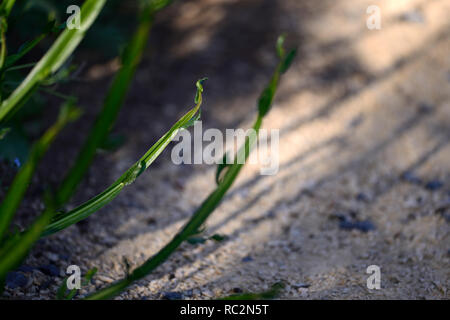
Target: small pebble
{"x":52,"y":256}
{"x":410,"y":177}
{"x":413,"y":17}
{"x":16,"y":280}
{"x":364,"y":226}
{"x":362,"y":197}
{"x":301,"y":285}
{"x":50,"y":270}
{"x":172,"y":296}
{"x":434,"y":185}
{"x":189,"y":293}
{"x":25,"y":268}
{"x":105,"y":279}
{"x":17,"y":162}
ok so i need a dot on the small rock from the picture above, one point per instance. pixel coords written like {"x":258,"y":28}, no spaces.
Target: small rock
{"x":25,"y":268}
{"x":52,"y":256}
{"x":189,"y":293}
{"x":172,"y":296}
{"x":301,"y":285}
{"x":356,"y":121}
{"x":413,"y":17}
{"x":16,"y":280}
{"x":50,"y":270}
{"x":410,"y":177}
{"x":45,"y":285}
{"x":17,"y":162}
{"x":362,"y":197}
{"x":105,"y":279}
{"x":425,"y":108}
{"x":434,"y":185}
{"x":64,"y":257}
{"x":364,"y":226}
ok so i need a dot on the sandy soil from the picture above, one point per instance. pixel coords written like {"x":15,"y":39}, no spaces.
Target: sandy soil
{"x":364,"y":119}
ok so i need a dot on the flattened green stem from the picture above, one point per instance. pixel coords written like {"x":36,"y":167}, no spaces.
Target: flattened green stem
{"x":5,"y":10}
{"x":213,"y":200}
{"x":63,"y":221}
{"x":17,"y":249}
{"x":3,"y":40}
{"x":113,"y":102}
{"x":54,"y":58}
{"x":198,"y":218}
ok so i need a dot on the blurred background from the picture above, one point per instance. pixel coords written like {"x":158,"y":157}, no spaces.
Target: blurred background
{"x":364,"y":119}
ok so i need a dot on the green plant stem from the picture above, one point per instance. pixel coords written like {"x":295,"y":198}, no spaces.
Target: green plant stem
{"x":198,"y":218}
{"x":54,"y":58}
{"x":14,"y":248}
{"x":112,"y":105}
{"x":14,"y":251}
{"x":17,"y":190}
{"x":63,"y":221}
{"x":214,"y":199}
{"x":3,"y":46}
{"x":7,"y":6}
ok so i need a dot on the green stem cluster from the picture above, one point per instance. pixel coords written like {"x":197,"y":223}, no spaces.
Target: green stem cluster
{"x":213,"y":200}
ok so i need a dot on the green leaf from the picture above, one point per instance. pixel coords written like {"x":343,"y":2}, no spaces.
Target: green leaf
{"x":54,"y":58}
{"x":218,"y":237}
{"x":61,"y":293}
{"x":221,"y":168}
{"x":62,"y":290}
{"x":280,"y":46}
{"x":196,"y":240}
{"x":24,"y":49}
{"x":287,"y":61}
{"x":65,"y":220}
{"x":266,"y":97}
{"x":89,"y":275}
{"x":157,"y":4}
{"x":265,"y":100}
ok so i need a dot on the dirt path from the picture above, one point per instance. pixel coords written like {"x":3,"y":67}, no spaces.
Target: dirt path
{"x":364,"y":118}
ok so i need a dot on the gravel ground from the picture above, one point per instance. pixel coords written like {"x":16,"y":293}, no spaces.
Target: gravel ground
{"x":364,"y":159}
